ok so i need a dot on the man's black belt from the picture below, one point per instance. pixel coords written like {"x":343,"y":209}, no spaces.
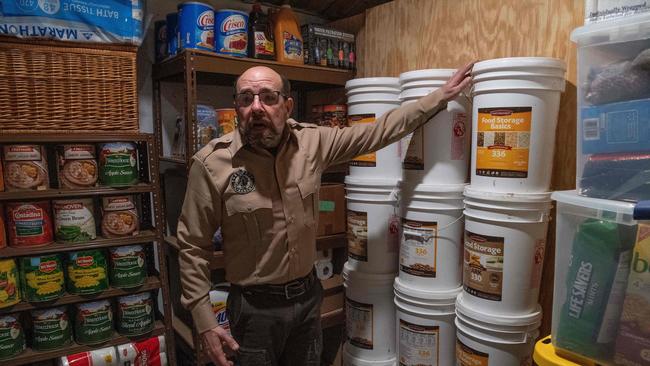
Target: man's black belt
{"x":289,"y":290}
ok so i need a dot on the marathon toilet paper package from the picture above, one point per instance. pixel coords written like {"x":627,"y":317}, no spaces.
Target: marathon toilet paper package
{"x":106,"y":21}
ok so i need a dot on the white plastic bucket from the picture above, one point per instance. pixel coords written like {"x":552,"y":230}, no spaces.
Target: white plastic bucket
{"x":349,"y":360}
{"x":372,"y":225}
{"x":439,"y":151}
{"x":431,"y":240}
{"x":514,"y":116}
{"x":426,"y":333}
{"x":370,"y":315}
{"x":369,"y":99}
{"x":505,"y":238}
{"x":485,"y":339}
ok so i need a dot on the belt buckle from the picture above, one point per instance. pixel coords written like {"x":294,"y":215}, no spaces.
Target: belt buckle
{"x":294,"y":285}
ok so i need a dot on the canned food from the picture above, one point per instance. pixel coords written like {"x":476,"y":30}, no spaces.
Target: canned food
{"x":2,"y":176}
{"x":135,"y":314}
{"x":119,"y":217}
{"x":25,"y":167}
{"x":29,"y":223}
{"x":74,"y":220}
{"x":42,"y":277}
{"x":118,"y":164}
{"x":128,"y":266}
{"x":102,"y":357}
{"x":12,"y":337}
{"x":51,"y":329}
{"x":3,"y":235}
{"x":227,"y":120}
{"x":93,"y":322}
{"x":206,"y":124}
{"x":87,"y":272}
{"x":77,"y":166}
{"x":150,"y":351}
{"x":196,"y":25}
{"x":160,"y":29}
{"x":232,"y":32}
{"x":172,"y":34}
{"x":9,"y":289}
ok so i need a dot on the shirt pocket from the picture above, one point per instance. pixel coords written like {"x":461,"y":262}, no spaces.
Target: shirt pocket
{"x":308,"y":187}
{"x":251,"y":210}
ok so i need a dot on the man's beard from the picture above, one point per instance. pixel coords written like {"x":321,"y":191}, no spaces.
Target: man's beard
{"x":266,"y":138}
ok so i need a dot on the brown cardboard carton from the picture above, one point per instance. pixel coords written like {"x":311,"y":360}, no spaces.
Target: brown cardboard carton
{"x":331,"y":217}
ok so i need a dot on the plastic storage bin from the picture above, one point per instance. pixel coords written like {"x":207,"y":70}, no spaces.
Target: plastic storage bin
{"x":601,"y":304}
{"x":613,"y":157}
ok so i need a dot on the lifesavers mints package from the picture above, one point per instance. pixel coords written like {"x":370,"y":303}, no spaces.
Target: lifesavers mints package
{"x":595,"y":282}
{"x":107,"y":21}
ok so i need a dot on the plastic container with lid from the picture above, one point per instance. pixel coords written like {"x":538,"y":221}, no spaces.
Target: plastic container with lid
{"x":613,"y":156}
{"x":601,"y":296}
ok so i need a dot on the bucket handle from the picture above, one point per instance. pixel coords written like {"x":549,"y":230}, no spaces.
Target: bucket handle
{"x":459,"y":218}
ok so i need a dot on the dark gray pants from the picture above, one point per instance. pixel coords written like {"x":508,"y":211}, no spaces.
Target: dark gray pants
{"x":274,"y":331}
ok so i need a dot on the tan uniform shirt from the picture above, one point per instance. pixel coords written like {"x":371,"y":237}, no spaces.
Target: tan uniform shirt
{"x":267,"y":206}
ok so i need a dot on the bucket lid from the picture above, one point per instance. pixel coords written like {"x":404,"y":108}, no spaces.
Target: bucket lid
{"x":373,"y":89}
{"x":442,"y":297}
{"x":507,"y":197}
{"x":435,"y":188}
{"x":621,"y":29}
{"x":416,"y":93}
{"x":501,"y":64}
{"x":598,"y":208}
{"x":533,"y":318}
{"x":370,"y":182}
{"x":356,"y":361}
{"x":366,"y":82}
{"x":423,"y":84}
{"x":425,"y":74}
{"x":349,"y":274}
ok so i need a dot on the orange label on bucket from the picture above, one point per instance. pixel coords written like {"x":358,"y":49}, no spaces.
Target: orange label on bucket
{"x":483,"y":266}
{"x":414,"y":157}
{"x":358,"y":235}
{"x":418,"y":344}
{"x":503,"y":142}
{"x":419,"y":248}
{"x":466,"y":356}
{"x":366,"y":160}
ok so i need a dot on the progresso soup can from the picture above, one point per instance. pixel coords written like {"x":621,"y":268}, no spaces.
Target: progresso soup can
{"x":196,"y":26}
{"x":128,"y":266}
{"x":9,"y":287}
{"x":93,"y":322}
{"x":135,"y":314}
{"x":42,"y":277}
{"x":87,"y":272}
{"x":232,"y":32}
{"x":12,"y":336}
{"x":51,"y":329}
{"x":118,"y":164}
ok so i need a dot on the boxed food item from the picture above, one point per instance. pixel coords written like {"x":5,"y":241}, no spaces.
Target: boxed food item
{"x":327,"y":46}
{"x":108,"y":21}
{"x":331,"y":216}
{"x":594,"y":256}
{"x":599,"y":10}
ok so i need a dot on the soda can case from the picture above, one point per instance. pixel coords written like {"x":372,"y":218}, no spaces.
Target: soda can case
{"x":196,"y":26}
{"x":231,"y":29}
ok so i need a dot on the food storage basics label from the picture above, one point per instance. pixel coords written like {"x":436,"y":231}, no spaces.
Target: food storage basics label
{"x":418,"y":344}
{"x":359,"y":324}
{"x":458,"y":134}
{"x":483,"y":266}
{"x":503,"y":142}
{"x":357,"y":235}
{"x":366,"y":160}
{"x":467,"y":356}
{"x":414,"y":156}
{"x":419,"y":248}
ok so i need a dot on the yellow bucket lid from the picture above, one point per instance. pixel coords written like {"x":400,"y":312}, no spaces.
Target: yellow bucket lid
{"x":545,"y":354}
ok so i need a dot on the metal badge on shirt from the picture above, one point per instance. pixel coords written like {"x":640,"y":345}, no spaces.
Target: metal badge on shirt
{"x":242,"y":181}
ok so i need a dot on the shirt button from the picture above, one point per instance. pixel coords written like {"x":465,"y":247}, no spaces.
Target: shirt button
{"x":291,"y":219}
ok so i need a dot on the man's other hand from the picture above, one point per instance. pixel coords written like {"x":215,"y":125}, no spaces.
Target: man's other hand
{"x":461,"y":79}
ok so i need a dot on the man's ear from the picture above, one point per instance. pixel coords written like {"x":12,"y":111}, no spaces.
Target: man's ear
{"x":288,"y":104}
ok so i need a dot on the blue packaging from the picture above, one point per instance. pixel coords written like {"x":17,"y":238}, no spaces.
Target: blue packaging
{"x":160,"y":29}
{"x":172,"y":34}
{"x":196,"y":26}
{"x":232,"y":32}
{"x":108,"y":21}
{"x":616,"y":127}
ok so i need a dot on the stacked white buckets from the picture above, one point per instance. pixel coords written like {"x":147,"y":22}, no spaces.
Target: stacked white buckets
{"x":507,"y":208}
{"x":373,"y":235}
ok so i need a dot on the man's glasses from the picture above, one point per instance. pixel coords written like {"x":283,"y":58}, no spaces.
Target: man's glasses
{"x":267,"y":97}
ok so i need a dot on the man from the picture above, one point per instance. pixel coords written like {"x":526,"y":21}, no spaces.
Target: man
{"x":260,"y":185}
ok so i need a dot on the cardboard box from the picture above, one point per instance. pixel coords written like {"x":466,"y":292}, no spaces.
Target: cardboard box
{"x":331,"y":217}
{"x":326,"y":46}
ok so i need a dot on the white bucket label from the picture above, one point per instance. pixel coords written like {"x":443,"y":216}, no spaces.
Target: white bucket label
{"x":418,"y":344}
{"x":358,"y":235}
{"x":419,"y":248}
{"x":503,"y":142}
{"x":414,"y":156}
{"x":483,"y":266}
{"x":366,"y":160}
{"x":358,"y":323}
{"x":467,"y":356}
{"x":458,"y":133}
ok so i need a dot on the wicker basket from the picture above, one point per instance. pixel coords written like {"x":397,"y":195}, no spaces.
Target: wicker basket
{"x":67,"y":87}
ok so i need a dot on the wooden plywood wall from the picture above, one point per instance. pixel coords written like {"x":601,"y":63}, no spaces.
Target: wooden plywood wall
{"x":408,"y":35}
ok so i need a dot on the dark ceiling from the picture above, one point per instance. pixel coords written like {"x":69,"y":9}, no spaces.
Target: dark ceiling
{"x":331,"y":9}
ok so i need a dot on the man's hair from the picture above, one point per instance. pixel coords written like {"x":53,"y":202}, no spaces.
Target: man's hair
{"x":286,"y":85}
